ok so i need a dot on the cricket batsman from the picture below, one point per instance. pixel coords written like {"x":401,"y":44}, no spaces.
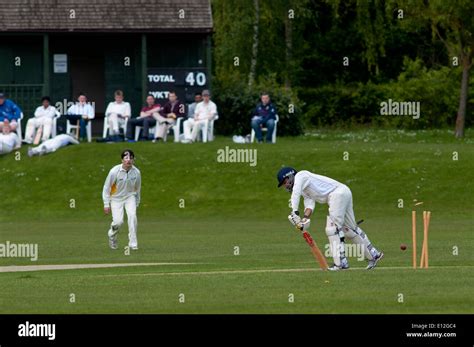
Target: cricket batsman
{"x":340,"y":223}
{"x":122,"y":191}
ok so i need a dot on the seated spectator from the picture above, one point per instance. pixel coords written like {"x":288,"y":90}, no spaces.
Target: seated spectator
{"x":145,"y":120}
{"x":44,"y":116}
{"x":192,"y":107}
{"x":189,"y":122}
{"x":9,"y":111}
{"x":118,"y":112}
{"x":264,"y":116}
{"x":8,"y":140}
{"x":166,"y":118}
{"x":52,"y":145}
{"x":81,"y":112}
{"x":205,"y":111}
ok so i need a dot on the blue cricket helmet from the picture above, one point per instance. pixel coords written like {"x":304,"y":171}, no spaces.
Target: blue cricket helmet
{"x":284,"y":173}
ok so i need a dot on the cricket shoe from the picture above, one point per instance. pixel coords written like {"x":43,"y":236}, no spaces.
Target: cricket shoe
{"x":113,"y":244}
{"x":30,"y":152}
{"x":334,"y":267}
{"x":373,"y":262}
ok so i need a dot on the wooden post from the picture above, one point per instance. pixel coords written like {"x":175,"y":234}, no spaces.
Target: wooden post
{"x":209,"y":61}
{"x":46,"y":70}
{"x":144,"y":73}
{"x":413,"y":231}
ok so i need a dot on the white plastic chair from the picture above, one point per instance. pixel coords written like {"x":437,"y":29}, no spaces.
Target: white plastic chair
{"x":274,"y":135}
{"x":176,"y":129}
{"x":18,"y":129}
{"x":106,"y":126}
{"x":207,"y":130}
{"x":55,"y":122}
{"x":70,"y":127}
{"x":139,"y":128}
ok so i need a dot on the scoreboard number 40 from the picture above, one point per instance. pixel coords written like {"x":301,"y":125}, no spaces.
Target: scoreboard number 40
{"x":198,"y":78}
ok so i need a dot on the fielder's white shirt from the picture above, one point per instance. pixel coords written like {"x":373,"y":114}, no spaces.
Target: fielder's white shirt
{"x":313,"y":188}
{"x":123,"y":109}
{"x":10,"y":141}
{"x":59,"y":141}
{"x":121,"y":184}
{"x":205,"y":110}
{"x":49,"y":112}
{"x":82,"y":109}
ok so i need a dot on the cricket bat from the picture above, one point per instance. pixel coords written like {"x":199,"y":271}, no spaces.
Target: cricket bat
{"x":39,"y":133}
{"x":315,"y":250}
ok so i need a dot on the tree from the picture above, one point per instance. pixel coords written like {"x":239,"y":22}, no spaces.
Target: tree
{"x":453,"y":24}
{"x":253,"y":62}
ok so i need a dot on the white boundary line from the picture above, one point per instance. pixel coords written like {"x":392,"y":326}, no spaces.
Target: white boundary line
{"x":23,"y":268}
{"x":257,"y":271}
{"x":28,"y":268}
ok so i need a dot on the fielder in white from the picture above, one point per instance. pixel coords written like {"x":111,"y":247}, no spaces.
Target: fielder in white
{"x":122,"y":191}
{"x":8,"y":140}
{"x":340,"y":223}
{"x":52,"y":145}
{"x":44,"y":116}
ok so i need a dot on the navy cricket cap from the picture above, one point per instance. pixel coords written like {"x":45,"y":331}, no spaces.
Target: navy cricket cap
{"x":284,"y":173}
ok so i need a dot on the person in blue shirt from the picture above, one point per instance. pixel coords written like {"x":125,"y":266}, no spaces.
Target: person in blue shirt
{"x":264,"y":116}
{"x":10,"y":111}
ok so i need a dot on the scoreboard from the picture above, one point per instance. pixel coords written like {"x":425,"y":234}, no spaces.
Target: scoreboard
{"x":184,"y":81}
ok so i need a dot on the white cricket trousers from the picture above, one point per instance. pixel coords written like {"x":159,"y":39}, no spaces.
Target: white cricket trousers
{"x":341,"y":222}
{"x":130,"y":206}
{"x":115,"y":123}
{"x":187,"y":128}
{"x":5,"y":148}
{"x":33,"y":125}
{"x":340,"y":207}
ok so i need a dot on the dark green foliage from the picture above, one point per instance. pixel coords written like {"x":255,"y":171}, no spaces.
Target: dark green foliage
{"x":237,"y":101}
{"x":359,"y":103}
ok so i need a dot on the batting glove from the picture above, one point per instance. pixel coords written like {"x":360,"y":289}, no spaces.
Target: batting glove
{"x":294,"y":218}
{"x":304,"y":224}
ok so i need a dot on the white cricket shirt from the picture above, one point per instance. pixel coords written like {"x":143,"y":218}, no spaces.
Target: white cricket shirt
{"x":48,"y":112}
{"x":82,"y":109}
{"x":205,"y":110}
{"x":9,"y":141}
{"x":121,"y":184}
{"x":123,"y":108}
{"x":313,"y":188}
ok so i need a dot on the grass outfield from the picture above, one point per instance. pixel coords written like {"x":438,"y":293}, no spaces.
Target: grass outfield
{"x":234,"y":204}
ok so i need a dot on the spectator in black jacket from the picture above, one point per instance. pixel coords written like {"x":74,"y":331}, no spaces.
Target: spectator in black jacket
{"x":167,"y":116}
{"x":264,"y":116}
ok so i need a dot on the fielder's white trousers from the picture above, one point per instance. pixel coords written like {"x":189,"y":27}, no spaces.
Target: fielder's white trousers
{"x":130,"y":206}
{"x":32,"y":126}
{"x":5,"y":148}
{"x":187,"y":128}
{"x":198,"y":125}
{"x":115,"y":123}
